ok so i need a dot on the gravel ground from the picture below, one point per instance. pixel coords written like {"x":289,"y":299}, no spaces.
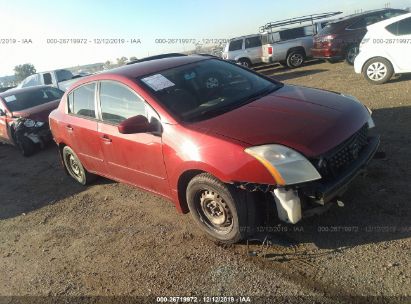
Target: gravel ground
{"x":61,"y":239}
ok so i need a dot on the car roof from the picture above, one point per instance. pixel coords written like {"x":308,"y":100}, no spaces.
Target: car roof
{"x":245,"y":36}
{"x":389,"y":21}
{"x":139,"y":69}
{"x":22,"y":90}
{"x":360,"y":15}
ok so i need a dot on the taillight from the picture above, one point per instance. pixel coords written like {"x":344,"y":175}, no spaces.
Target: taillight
{"x":324,"y":41}
{"x":270,"y":50}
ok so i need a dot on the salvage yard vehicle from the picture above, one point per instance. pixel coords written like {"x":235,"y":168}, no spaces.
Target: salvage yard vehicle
{"x":385,"y":50}
{"x":24,"y":117}
{"x":245,"y":50}
{"x":218,"y":139}
{"x":288,"y":44}
{"x":61,"y":79}
{"x":340,"y":39}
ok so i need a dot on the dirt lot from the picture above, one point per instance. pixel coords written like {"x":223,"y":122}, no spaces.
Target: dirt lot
{"x":59,"y":238}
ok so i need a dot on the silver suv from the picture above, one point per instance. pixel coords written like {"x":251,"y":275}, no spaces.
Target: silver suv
{"x":245,"y":50}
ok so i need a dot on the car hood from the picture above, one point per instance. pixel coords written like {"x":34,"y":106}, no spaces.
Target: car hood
{"x":38,"y":113}
{"x":310,"y":121}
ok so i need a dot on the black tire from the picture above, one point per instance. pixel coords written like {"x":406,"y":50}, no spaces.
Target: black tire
{"x":26,"y":146}
{"x":378,"y":70}
{"x":234,"y":214}
{"x":75,"y":168}
{"x":351,"y":54}
{"x":295,"y":59}
{"x":245,"y":62}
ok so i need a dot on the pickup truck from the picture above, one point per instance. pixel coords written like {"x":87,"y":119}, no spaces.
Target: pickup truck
{"x":61,"y":79}
{"x":290,"y":47}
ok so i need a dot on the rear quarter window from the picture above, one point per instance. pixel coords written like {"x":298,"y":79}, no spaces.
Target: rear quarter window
{"x":400,"y":28}
{"x":330,"y":28}
{"x":236,"y":45}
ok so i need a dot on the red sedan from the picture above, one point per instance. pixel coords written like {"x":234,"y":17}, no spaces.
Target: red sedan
{"x":215,"y":138}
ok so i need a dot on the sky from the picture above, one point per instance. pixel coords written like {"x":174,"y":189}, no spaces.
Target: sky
{"x":141,"y":22}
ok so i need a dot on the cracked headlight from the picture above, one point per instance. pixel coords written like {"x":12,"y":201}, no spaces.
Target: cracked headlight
{"x":287,"y":166}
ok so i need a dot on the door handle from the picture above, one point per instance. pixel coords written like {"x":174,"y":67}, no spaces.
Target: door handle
{"x":69,"y":128}
{"x":106,"y":139}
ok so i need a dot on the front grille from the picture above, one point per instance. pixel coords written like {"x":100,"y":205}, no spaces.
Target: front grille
{"x":332,"y":163}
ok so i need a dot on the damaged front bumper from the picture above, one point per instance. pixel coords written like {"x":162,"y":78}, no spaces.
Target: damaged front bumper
{"x":303,"y":200}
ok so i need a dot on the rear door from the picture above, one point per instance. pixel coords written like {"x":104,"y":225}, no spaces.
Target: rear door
{"x":400,"y":49}
{"x":253,"y":48}
{"x":235,"y":49}
{"x":132,"y":158}
{"x":80,"y":127}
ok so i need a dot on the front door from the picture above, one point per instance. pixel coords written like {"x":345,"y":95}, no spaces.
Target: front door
{"x":132,"y":158}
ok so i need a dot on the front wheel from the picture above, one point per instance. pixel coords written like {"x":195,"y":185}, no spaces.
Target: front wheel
{"x":378,"y":70}
{"x":223,"y":212}
{"x":75,"y":168}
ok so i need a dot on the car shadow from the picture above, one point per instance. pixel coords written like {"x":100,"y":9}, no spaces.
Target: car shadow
{"x":30,"y":183}
{"x":400,"y":78}
{"x":376,"y":207}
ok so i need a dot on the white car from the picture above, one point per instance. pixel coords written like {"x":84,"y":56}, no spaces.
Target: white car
{"x":385,"y":50}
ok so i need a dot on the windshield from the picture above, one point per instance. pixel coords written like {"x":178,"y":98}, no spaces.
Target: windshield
{"x":27,"y":99}
{"x":207,"y":88}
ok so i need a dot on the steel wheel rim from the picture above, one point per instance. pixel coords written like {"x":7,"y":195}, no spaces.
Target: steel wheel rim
{"x":73,"y":166}
{"x":244,"y":63}
{"x":215,"y":212}
{"x":377,"y":71}
{"x":296,"y":59}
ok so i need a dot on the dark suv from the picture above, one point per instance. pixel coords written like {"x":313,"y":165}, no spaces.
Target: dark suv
{"x":340,"y":40}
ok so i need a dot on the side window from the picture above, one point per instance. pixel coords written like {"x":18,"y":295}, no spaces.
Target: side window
{"x":81,"y":101}
{"x":292,"y":33}
{"x":31,"y":81}
{"x":252,"y":42}
{"x":236,"y":45}
{"x":47,"y":78}
{"x":119,"y":103}
{"x":400,"y":28}
{"x":366,"y":21}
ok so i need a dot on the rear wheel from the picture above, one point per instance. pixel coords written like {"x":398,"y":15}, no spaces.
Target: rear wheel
{"x":75,"y":168}
{"x":245,"y":62}
{"x":295,"y":59}
{"x":223,"y":212}
{"x":378,"y":70}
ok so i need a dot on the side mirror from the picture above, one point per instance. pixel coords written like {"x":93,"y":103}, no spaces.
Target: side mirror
{"x":136,"y":124}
